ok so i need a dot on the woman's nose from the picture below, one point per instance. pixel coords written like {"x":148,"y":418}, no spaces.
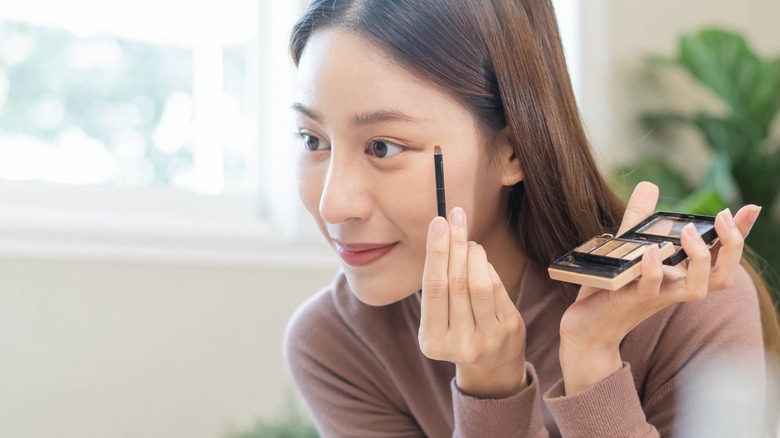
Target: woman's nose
{"x":346,"y":193}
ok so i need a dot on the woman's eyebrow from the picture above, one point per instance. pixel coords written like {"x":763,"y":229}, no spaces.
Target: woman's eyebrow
{"x":301,"y":108}
{"x":363,"y":119}
{"x":382,"y":116}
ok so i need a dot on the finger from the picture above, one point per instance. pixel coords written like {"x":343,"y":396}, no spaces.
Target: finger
{"x":640,"y":206}
{"x":714,"y":251}
{"x":506,"y":310}
{"x":434,"y":318}
{"x":481,"y":287}
{"x":745,"y":218}
{"x":697,"y":279}
{"x":649,"y":284}
{"x":730,"y":252}
{"x":585,"y":292}
{"x":461,"y":315}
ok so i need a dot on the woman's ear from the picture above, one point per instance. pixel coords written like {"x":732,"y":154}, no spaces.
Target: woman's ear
{"x":511,"y":169}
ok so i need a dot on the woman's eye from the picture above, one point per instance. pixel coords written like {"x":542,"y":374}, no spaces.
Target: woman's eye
{"x":383,"y":148}
{"x":311,"y":142}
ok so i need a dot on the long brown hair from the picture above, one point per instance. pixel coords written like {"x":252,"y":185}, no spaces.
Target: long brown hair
{"x":503,"y":60}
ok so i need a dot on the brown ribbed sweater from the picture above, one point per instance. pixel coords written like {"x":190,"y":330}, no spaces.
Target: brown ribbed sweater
{"x":361,"y":373}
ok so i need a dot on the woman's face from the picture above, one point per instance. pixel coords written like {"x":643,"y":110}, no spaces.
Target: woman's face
{"x":365,"y":169}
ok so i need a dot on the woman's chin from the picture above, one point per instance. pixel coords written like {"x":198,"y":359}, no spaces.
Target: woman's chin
{"x":375,"y":292}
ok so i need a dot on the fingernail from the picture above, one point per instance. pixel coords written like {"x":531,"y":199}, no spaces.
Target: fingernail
{"x":754,"y":214}
{"x":472,"y":243}
{"x":728,"y":217}
{"x":439,"y":226}
{"x":654,"y":253}
{"x":690,"y":229}
{"x":458,"y":216}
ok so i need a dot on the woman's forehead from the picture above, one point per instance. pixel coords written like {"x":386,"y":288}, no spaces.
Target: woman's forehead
{"x":342,"y":72}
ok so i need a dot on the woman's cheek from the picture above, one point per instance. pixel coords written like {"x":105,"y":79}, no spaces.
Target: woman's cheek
{"x":310,"y":184}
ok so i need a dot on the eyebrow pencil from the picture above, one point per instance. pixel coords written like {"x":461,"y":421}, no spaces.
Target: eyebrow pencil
{"x":439,"y":167}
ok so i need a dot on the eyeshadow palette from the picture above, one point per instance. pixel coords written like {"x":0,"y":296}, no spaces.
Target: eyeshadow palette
{"x":612,"y":262}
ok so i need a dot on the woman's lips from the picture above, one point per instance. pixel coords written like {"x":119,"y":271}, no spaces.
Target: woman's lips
{"x":361,"y":254}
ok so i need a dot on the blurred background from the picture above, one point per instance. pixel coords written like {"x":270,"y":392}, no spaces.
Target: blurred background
{"x":152,"y":246}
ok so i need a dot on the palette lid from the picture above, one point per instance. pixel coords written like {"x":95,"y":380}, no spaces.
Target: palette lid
{"x":664,"y":226}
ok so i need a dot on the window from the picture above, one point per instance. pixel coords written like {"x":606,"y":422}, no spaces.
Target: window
{"x":140,"y":100}
{"x":144,"y":128}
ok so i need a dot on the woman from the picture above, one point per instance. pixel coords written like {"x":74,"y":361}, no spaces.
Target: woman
{"x":451,"y":327}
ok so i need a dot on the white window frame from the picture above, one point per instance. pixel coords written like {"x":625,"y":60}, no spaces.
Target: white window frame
{"x":44,"y":220}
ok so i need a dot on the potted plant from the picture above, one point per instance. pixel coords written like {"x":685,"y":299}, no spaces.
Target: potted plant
{"x":745,"y":165}
{"x":290,"y":423}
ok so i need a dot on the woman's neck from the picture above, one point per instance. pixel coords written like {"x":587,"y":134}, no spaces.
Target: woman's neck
{"x":504,"y":253}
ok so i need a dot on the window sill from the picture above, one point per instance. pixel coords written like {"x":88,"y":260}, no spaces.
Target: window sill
{"x":47,"y":221}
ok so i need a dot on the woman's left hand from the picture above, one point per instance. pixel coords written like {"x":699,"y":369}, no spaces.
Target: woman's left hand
{"x":595,"y":324}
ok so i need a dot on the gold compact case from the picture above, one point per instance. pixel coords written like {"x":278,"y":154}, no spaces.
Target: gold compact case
{"x":610,"y":262}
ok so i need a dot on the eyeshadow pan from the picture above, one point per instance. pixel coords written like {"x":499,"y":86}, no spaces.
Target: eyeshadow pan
{"x":636,"y":253}
{"x":623,"y":250}
{"x":591,"y":244}
{"x":608,"y":247}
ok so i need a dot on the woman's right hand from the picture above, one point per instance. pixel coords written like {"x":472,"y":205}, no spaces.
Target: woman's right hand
{"x":468,"y":317}
{"x":593,"y":327}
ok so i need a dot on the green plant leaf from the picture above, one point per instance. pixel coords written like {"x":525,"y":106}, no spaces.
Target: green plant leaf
{"x":660,"y":119}
{"x":774,"y":67}
{"x":723,"y":62}
{"x":703,"y":201}
{"x":289,"y":423}
{"x":720,"y":180}
{"x":671,"y":184}
{"x":725,"y":136}
{"x":758,"y":178}
{"x":719,"y":60}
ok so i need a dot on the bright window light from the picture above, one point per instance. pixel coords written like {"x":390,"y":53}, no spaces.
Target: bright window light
{"x":143,"y":94}
{"x":569,"y":18}
{"x":153,"y":130}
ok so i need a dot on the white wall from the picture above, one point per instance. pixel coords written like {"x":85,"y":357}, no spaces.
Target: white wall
{"x":98,"y":349}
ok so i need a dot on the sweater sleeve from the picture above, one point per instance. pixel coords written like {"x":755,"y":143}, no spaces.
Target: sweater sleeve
{"x":697,"y":369}
{"x":610,"y":408}
{"x":516,"y":416}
